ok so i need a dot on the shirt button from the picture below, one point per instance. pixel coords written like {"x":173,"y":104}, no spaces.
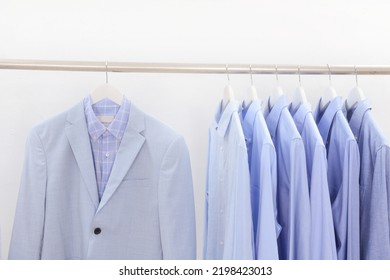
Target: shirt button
{"x":221,"y":243}
{"x":97,"y":231}
{"x":221,"y":211}
{"x":221,"y":148}
{"x":107,"y":154}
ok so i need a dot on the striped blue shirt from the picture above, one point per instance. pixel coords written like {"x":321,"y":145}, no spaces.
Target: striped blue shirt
{"x":343,"y":176}
{"x":228,"y":232}
{"x":262,"y":168}
{"x":105,"y":137}
{"x":293,"y":202}
{"x":323,"y":243}
{"x":374,"y":182}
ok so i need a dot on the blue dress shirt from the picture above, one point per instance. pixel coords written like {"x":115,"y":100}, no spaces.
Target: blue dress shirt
{"x":323,"y":246}
{"x":228,"y":219}
{"x":374,"y":182}
{"x":293,"y":202}
{"x":105,"y":137}
{"x":263,"y":172}
{"x":343,"y":176}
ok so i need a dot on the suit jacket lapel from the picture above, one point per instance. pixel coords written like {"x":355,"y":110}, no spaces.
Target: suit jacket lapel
{"x":131,"y":143}
{"x":78,"y":137}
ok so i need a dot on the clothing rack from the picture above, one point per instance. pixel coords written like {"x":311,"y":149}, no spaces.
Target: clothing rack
{"x":193,"y":68}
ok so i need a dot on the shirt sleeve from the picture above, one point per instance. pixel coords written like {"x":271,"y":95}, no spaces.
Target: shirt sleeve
{"x":323,"y":244}
{"x":375,"y":239}
{"x":300,"y":218}
{"x":176,"y":203}
{"x":239,"y":237}
{"x":351,"y":190}
{"x":206,"y":204}
{"x":27,"y":234}
{"x":268,"y":229}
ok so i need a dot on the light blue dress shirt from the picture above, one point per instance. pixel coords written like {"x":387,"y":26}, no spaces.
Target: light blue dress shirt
{"x":293,"y":202}
{"x":374,"y":183}
{"x":323,"y":246}
{"x":343,"y":176}
{"x":105,"y":137}
{"x":263,"y":172}
{"x":228,"y":219}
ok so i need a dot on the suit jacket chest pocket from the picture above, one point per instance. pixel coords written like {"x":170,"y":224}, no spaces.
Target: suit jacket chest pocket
{"x":136,"y":183}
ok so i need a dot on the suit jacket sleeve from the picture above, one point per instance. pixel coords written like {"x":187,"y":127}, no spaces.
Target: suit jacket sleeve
{"x":26,"y":240}
{"x":176,"y":203}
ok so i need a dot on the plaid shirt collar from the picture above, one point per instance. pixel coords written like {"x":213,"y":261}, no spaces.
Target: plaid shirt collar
{"x":106,"y":107}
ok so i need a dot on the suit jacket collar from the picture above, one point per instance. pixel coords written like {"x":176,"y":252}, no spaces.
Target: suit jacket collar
{"x":77,"y":133}
{"x":78,"y":137}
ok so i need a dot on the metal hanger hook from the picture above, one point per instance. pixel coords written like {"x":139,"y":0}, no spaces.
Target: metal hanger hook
{"x":299,"y":75}
{"x":330,"y":74}
{"x":357,"y":84}
{"x":106,"y":72}
{"x":250,"y":71}
{"x":227,"y":73}
{"x":276,"y":72}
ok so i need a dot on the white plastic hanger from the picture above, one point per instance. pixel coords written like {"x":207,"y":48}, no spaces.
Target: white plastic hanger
{"x":228,"y":94}
{"x":329,"y":93}
{"x":252,"y":92}
{"x":106,"y":91}
{"x":299,"y":95}
{"x":278,"y":91}
{"x":355,"y":95}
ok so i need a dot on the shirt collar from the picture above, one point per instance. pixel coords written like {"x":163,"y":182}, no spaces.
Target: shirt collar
{"x":118,"y":125}
{"x":272,"y":116}
{"x":249,"y":114}
{"x":324,"y":119}
{"x":299,"y":114}
{"x":223,"y":116}
{"x":356,"y":114}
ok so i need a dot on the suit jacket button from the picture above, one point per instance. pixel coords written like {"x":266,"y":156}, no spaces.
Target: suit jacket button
{"x":97,"y":231}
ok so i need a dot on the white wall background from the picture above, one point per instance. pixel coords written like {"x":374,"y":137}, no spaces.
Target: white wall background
{"x":218,"y":31}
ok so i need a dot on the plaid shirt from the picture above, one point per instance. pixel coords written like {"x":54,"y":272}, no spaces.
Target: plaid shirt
{"x":105,"y":137}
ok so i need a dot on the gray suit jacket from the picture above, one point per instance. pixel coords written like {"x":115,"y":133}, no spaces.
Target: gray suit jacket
{"x":146,"y":212}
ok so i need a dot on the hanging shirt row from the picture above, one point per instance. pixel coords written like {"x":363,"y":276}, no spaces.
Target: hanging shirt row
{"x":289,"y":183}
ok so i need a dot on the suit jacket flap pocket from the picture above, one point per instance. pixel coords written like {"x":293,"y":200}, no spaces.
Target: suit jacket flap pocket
{"x":137,"y":183}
